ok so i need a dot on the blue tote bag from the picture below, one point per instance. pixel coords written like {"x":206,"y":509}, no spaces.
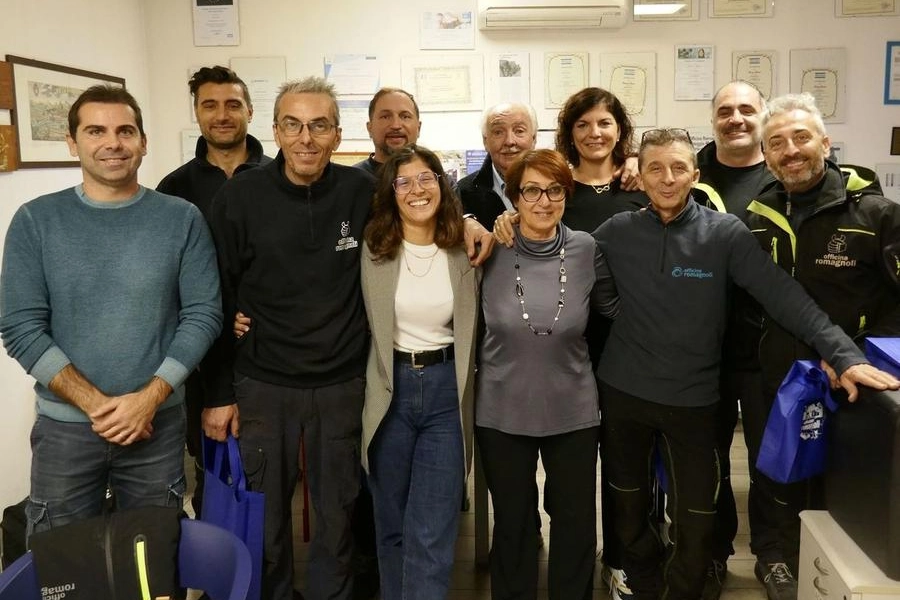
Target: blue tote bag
{"x":228,"y":504}
{"x":794,"y":443}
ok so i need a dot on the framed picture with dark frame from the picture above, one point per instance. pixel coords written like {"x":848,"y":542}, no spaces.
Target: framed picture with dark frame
{"x":43,"y":93}
{"x":892,"y":74}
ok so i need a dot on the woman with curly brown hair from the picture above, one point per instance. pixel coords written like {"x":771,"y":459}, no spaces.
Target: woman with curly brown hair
{"x":421,"y":297}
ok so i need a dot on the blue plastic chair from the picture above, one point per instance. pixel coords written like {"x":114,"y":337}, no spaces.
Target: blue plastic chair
{"x":19,"y":580}
{"x":213,"y":560}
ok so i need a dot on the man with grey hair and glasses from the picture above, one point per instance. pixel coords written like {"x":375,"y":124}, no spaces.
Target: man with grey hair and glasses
{"x":288,"y":235}
{"x":833,"y":231}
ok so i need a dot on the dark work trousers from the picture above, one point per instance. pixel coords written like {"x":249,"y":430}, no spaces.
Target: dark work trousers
{"x":273,"y":419}
{"x":774,"y":509}
{"x":612,"y":546}
{"x":686,"y":438}
{"x":762,"y":510}
{"x":510,"y":467}
{"x":193,"y":404}
{"x":735,"y":385}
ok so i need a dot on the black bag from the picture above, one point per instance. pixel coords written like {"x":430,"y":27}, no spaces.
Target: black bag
{"x":13,"y":527}
{"x":130,"y":554}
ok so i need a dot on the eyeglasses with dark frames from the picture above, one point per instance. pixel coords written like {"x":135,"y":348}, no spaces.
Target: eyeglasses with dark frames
{"x":293,"y":128}
{"x":532,"y":193}
{"x":428,"y":180}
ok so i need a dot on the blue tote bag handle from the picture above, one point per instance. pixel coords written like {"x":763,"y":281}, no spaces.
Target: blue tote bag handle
{"x":230,"y":451}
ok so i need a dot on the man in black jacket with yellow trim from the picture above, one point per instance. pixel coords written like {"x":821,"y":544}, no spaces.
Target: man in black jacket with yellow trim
{"x":732,"y":173}
{"x":834,"y":232}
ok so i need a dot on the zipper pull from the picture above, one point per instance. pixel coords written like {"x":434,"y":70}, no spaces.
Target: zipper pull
{"x":787,"y":209}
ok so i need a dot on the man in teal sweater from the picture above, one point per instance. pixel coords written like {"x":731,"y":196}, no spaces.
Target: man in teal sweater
{"x":109,"y":297}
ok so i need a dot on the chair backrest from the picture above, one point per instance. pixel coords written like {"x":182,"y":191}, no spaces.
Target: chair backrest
{"x":213,"y":560}
{"x":19,"y":580}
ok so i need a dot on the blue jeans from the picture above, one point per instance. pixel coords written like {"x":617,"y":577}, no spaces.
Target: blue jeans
{"x":417,"y":475}
{"x":72,"y":467}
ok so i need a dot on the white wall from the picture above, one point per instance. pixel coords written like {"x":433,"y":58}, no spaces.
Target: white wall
{"x":304,"y":31}
{"x":149,"y":42}
{"x":97,"y":35}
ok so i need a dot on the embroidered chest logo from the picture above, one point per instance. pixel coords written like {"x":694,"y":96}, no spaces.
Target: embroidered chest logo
{"x":813,"y":426}
{"x":345,"y":242}
{"x":691,"y":273}
{"x":836,"y":253}
{"x":837,"y":244}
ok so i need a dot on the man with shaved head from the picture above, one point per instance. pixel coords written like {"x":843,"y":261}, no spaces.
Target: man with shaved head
{"x":732,"y":171}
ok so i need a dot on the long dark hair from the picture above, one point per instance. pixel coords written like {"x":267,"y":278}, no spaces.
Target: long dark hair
{"x":575,"y":107}
{"x":384,"y":231}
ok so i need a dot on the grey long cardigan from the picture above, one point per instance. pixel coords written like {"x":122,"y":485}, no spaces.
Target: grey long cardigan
{"x":379,"y":285}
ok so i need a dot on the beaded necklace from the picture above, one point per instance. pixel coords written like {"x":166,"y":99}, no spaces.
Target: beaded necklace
{"x":520,"y":294}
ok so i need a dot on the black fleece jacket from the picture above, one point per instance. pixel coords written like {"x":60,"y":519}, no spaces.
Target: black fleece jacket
{"x":845,"y":252}
{"x":666,"y":344}
{"x":289,"y":259}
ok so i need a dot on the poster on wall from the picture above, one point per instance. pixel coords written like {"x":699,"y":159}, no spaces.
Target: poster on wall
{"x":866,"y":8}
{"x":694,"y":73}
{"x":263,"y":76}
{"x":631,"y":76}
{"x":741,"y":8}
{"x":822,"y":73}
{"x":892,"y":73}
{"x":445,"y":83}
{"x":510,"y":77}
{"x":354,"y":116}
{"x":353,"y":74}
{"x":216,"y":23}
{"x":43,"y":94}
{"x":448,"y":29}
{"x":666,"y":10}
{"x":564,"y":74}
{"x":757,"y":67}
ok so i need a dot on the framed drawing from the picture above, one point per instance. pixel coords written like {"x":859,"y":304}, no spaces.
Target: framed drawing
{"x":43,"y":93}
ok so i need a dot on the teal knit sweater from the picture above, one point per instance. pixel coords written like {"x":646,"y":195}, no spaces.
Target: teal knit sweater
{"x":123,"y":291}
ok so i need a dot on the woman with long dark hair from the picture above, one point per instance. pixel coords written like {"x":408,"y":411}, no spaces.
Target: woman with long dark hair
{"x":421,"y":297}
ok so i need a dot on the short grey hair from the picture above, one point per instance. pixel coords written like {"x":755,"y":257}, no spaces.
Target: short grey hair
{"x":309,"y":85}
{"x":490,"y":112}
{"x":784,"y":104}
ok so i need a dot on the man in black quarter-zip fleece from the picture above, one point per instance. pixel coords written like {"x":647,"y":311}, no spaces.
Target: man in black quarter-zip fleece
{"x":833,"y":231}
{"x":288,"y":237}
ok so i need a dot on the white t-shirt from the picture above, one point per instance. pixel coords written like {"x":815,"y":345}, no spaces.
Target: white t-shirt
{"x":423,"y":303}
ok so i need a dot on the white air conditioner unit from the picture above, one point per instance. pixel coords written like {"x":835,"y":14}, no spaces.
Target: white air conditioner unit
{"x":501,"y":15}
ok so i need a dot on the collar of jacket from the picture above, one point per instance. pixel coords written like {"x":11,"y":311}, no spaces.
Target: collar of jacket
{"x":690,"y":209}
{"x":485,"y":176}
{"x":254,"y":154}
